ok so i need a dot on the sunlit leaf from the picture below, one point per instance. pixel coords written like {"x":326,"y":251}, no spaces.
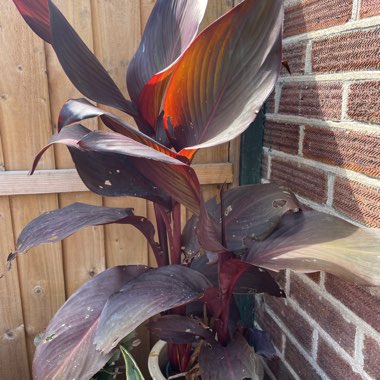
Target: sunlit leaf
{"x":67,"y":349}
{"x":171,"y":27}
{"x":312,"y":241}
{"x":221,"y":81}
{"x":151,"y":293}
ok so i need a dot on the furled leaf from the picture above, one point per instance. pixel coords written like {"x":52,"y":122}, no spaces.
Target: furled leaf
{"x":221,"y":81}
{"x":107,"y":174}
{"x":151,"y":293}
{"x":179,"y":329}
{"x":236,"y":361}
{"x":36,"y":15}
{"x":171,"y":27}
{"x":312,"y":241}
{"x":67,"y":349}
{"x":132,"y":371}
{"x":53,"y":226}
{"x":82,"y":67}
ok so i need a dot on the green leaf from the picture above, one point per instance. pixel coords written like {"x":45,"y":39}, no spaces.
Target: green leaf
{"x":132,"y":371}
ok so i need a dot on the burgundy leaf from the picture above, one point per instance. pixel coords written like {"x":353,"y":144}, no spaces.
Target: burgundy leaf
{"x":236,"y":361}
{"x":167,"y":173}
{"x":153,"y":292}
{"x":311,"y":241}
{"x":171,"y":27}
{"x":221,"y":81}
{"x":76,"y":110}
{"x":36,"y":15}
{"x":53,"y":226}
{"x":82,"y":67}
{"x":67,"y":349}
{"x":106,"y":174}
{"x":250,"y":213}
{"x":179,"y":329}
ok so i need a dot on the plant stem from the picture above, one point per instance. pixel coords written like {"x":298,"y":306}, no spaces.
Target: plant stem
{"x":176,"y":217}
{"x":162,"y":236}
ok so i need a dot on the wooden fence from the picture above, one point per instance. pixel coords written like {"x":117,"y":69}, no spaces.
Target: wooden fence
{"x":32,"y":89}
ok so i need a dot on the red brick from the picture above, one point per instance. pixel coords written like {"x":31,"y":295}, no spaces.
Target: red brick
{"x":294,"y":322}
{"x":316,"y":14}
{"x":357,"y":298}
{"x":359,"y":202}
{"x":343,"y":148}
{"x":300,"y":365}
{"x":304,"y":180}
{"x":281,"y":136}
{"x":371,"y":354}
{"x":295,"y":55}
{"x":364,"y":101}
{"x":324,"y":313}
{"x":315,"y":100}
{"x":347,"y":52}
{"x":270,"y":103}
{"x":270,"y":326}
{"x":369,"y":8}
{"x":333,"y":364}
{"x":279,"y":369}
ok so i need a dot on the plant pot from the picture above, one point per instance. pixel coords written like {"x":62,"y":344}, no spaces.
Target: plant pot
{"x":158,"y":358}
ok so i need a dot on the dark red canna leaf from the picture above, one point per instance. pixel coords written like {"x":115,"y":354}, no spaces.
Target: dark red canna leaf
{"x":235,"y":361}
{"x":36,"y":15}
{"x":82,"y":67}
{"x":106,"y":174}
{"x":251,"y":212}
{"x":67,"y":349}
{"x":76,"y":110}
{"x":171,"y":27}
{"x":167,"y":173}
{"x":311,"y":241}
{"x":151,"y":293}
{"x":179,"y":329}
{"x":221,"y":81}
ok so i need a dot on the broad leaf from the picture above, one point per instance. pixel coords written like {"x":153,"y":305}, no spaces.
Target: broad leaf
{"x":107,"y":174}
{"x":252,"y":280}
{"x":151,"y":293}
{"x":249,"y":213}
{"x":313,"y":241}
{"x":53,"y":226}
{"x":82,"y":67}
{"x":221,"y":81}
{"x":171,"y":27}
{"x":179,"y":329}
{"x":76,"y":110}
{"x":167,"y":173}
{"x":236,"y":361}
{"x":67,"y":349}
{"x":132,"y":371}
{"x":36,"y":15}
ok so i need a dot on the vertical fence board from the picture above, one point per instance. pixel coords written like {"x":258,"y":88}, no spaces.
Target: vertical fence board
{"x":25,"y":127}
{"x":84,"y":252}
{"x":13,"y":353}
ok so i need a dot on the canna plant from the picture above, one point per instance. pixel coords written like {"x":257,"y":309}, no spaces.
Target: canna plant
{"x":187,"y":92}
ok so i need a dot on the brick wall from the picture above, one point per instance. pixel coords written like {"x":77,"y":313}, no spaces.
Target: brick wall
{"x":322,"y":139}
